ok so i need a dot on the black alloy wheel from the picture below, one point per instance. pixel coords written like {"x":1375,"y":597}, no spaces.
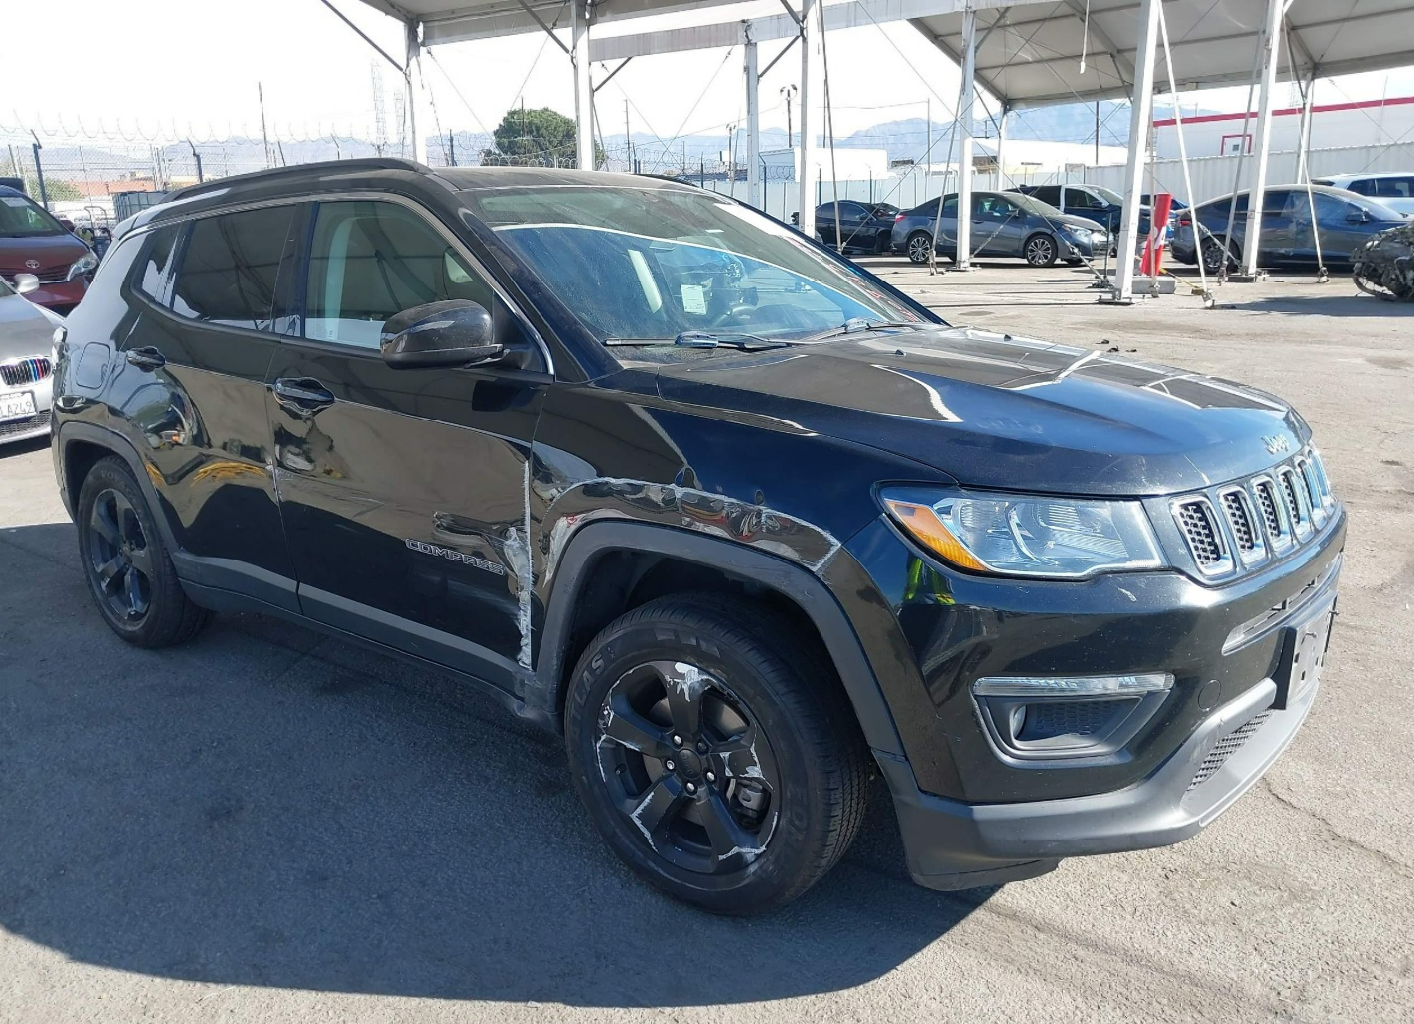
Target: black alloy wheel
{"x":686,"y":762}
{"x":1040,"y":250}
{"x":125,"y":559}
{"x":119,"y":557}
{"x":715,"y":751}
{"x":920,"y":245}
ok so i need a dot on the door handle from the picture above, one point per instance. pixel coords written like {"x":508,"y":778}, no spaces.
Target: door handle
{"x":302,"y":394}
{"x":146,"y":358}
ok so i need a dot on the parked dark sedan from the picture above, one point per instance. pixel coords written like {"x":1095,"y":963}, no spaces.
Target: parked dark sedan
{"x":1344,"y":220}
{"x":1093,"y":202}
{"x":865,"y":226}
{"x":1004,"y":224}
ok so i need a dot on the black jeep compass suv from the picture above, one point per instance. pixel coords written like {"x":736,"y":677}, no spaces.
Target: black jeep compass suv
{"x":739,"y":519}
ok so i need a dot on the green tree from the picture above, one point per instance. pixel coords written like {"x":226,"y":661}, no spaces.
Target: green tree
{"x":535,"y":138}
{"x":59,"y":191}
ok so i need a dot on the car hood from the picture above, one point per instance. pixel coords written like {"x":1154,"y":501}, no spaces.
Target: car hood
{"x":1071,"y":221}
{"x":26,"y":330}
{"x":51,"y":252}
{"x":993,"y":410}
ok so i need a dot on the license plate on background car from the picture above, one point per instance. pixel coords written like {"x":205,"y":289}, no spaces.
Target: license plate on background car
{"x":16,"y":407}
{"x":1304,"y":652}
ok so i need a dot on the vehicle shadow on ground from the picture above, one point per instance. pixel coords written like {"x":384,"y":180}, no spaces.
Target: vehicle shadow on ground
{"x":268,"y":807}
{"x":1333,"y":305}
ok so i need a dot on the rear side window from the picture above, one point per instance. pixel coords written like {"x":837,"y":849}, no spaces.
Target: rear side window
{"x":371,"y":260}
{"x":156,"y":263}
{"x":230,"y":267}
{"x":1392,"y":188}
{"x":1048,"y":194}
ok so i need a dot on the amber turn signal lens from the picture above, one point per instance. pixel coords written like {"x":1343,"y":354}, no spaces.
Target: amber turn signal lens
{"x":924,"y":526}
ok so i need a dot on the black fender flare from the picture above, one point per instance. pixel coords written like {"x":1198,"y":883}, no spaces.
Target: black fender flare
{"x":793,"y":581}
{"x":118,"y":444}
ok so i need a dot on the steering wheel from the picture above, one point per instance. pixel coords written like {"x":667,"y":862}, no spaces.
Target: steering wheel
{"x":740,"y":310}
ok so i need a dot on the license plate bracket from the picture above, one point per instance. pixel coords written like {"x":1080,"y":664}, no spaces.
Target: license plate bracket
{"x":1303,"y":654}
{"x":18,"y":406}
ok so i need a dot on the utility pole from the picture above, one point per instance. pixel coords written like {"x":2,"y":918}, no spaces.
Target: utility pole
{"x":789,"y":91}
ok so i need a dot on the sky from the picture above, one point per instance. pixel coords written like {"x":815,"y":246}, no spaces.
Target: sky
{"x":194,"y":68}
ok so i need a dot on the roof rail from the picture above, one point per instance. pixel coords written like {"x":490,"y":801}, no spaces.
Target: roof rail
{"x":367,"y":163}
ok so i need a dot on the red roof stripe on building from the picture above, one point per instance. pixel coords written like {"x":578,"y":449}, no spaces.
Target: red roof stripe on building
{"x":1397,"y":101}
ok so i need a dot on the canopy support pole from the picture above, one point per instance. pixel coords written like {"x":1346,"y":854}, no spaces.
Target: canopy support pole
{"x":1141,"y":116}
{"x":1001,"y":148}
{"x":753,"y":124}
{"x":812,"y":26}
{"x":583,"y":93}
{"x":1271,"y":57}
{"x":963,"y":259}
{"x":412,"y":79}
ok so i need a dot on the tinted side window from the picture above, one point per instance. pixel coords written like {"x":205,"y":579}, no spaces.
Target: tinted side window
{"x":1393,"y":188}
{"x":230,"y":267}
{"x":950,"y":206}
{"x":1276,"y":202}
{"x":1080,"y":197}
{"x":155,"y":265}
{"x":370,"y":260}
{"x":1048,"y":194}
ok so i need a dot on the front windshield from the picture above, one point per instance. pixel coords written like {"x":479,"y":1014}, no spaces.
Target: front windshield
{"x":1033,"y":205}
{"x":645,"y":264}
{"x":1378,"y":210}
{"x":21,"y":218}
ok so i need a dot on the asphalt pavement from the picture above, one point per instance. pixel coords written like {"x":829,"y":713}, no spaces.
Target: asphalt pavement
{"x":268,"y":825}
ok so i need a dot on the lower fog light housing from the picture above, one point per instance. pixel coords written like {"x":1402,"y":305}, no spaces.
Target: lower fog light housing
{"x":1036,"y":721}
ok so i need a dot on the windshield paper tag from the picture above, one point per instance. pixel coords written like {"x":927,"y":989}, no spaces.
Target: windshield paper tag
{"x":692,"y":299}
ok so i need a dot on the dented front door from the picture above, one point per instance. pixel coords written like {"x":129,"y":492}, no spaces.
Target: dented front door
{"x":402,"y":491}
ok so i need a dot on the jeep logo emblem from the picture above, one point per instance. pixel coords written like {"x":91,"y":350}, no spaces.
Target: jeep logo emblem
{"x":1276,"y":443}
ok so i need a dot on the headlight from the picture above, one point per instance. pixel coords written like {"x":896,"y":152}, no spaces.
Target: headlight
{"x":1081,"y":234}
{"x":1018,"y":535}
{"x":83,"y":265}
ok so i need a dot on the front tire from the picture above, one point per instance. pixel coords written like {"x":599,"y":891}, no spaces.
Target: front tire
{"x":1040,"y":250}
{"x":129,"y":571}
{"x":717,"y":757}
{"x":1212,"y":254}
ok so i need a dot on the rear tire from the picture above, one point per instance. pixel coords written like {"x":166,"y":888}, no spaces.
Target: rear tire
{"x":716,"y":755}
{"x":918,"y":246}
{"x":129,"y":571}
{"x":1212,"y":254}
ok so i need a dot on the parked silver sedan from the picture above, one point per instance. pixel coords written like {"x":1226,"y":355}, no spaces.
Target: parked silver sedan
{"x":1005,"y":224}
{"x":26,"y":351}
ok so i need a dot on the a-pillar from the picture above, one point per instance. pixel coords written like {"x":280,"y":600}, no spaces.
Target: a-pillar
{"x":753,"y":124}
{"x":1271,"y":56}
{"x":583,"y":94}
{"x":1141,"y":116}
{"x":963,"y":259}
{"x":812,"y":28}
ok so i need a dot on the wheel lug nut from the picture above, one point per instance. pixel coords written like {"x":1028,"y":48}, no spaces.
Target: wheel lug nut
{"x":677,"y":740}
{"x":690,"y":787}
{"x":711,"y":776}
{"x":701,"y":747}
{"x":670,"y":764}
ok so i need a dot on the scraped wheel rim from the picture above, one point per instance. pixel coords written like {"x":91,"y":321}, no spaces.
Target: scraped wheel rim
{"x":120,"y":558}
{"x":1040,"y":251}
{"x":918,"y":249}
{"x":689,"y":768}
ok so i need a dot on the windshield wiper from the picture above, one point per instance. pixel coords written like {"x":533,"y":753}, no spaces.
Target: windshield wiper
{"x":857,"y":324}
{"x":705,"y":339}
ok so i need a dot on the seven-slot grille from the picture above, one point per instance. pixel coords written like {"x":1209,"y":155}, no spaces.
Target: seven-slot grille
{"x":25,"y":371}
{"x":1242,"y":524}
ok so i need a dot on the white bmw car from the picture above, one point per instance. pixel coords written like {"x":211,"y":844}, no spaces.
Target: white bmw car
{"x":26,"y":369}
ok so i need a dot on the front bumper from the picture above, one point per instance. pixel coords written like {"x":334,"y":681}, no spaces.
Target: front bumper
{"x":36,"y":425}
{"x":951,"y":844}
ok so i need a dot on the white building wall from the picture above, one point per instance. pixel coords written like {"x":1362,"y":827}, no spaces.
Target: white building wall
{"x":1333,"y":126}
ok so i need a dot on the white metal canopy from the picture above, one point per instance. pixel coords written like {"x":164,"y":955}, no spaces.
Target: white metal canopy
{"x":447,"y":21}
{"x":1028,"y":54}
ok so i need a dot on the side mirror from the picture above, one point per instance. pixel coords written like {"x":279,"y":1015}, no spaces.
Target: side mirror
{"x":26,"y":283}
{"x":454,"y":332}
{"x":1358,"y":217}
